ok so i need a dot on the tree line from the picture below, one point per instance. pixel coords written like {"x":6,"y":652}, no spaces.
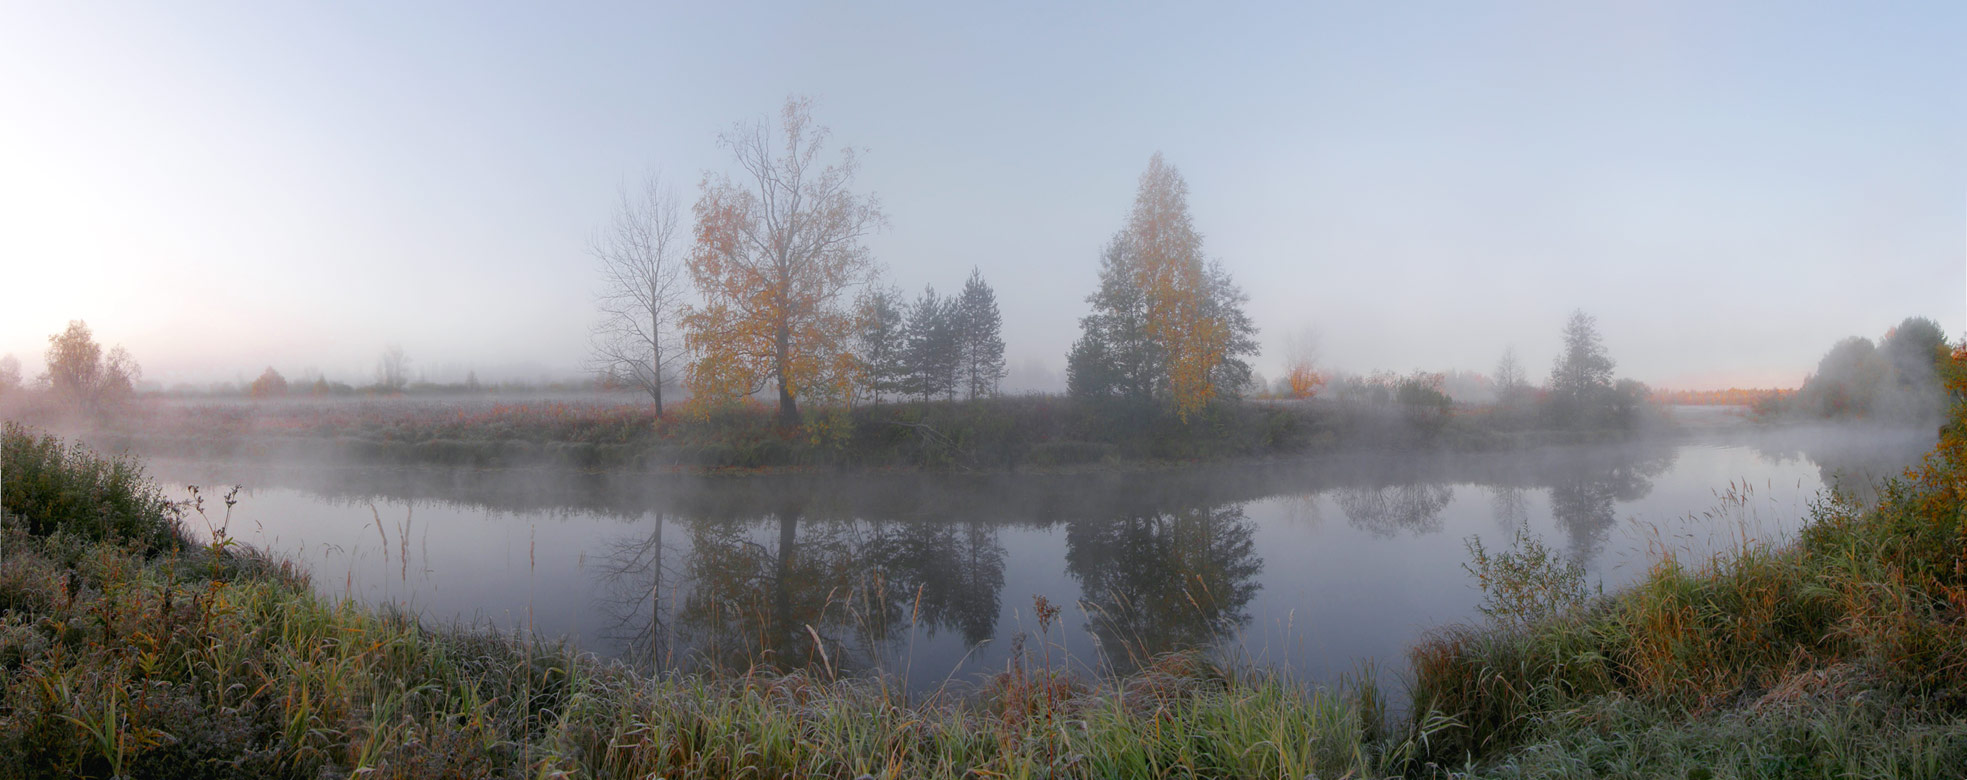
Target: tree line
{"x":774,"y":250}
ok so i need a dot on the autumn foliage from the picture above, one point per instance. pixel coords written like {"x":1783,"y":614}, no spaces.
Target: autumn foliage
{"x":1167,"y":325}
{"x":1304,"y":381}
{"x":776,"y":250}
{"x":1733,"y":396}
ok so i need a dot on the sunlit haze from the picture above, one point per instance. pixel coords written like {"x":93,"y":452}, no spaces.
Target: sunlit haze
{"x":1728,"y":189}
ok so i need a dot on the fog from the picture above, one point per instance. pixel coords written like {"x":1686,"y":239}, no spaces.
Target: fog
{"x":1729,"y":190}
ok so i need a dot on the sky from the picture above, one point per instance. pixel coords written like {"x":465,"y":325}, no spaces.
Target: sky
{"x":1728,"y":188}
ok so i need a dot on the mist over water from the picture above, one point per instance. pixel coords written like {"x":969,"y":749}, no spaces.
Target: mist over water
{"x":1316,"y":566}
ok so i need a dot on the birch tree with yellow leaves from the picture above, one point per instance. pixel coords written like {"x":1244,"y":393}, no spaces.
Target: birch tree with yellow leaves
{"x":778,"y":247}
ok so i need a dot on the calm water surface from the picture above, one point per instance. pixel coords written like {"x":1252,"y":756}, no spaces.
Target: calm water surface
{"x":1316,"y":566}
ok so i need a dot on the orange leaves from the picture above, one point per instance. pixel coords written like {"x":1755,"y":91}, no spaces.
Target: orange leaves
{"x":1734,"y":396}
{"x":1304,"y":381}
{"x":774,"y":253}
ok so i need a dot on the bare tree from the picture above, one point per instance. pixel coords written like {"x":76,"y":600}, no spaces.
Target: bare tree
{"x":393,"y":369}
{"x":1510,"y":383}
{"x":642,"y":260}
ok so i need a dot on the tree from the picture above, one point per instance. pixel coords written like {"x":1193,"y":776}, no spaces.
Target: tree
{"x":1115,"y":357}
{"x":933,"y":346}
{"x":270,"y":384}
{"x":1301,"y":377}
{"x":80,"y":374}
{"x":1581,"y":380}
{"x":980,"y":337}
{"x":9,"y":374}
{"x":1224,"y":304}
{"x":1913,"y":352}
{"x":774,"y":255}
{"x":881,"y":341}
{"x":1166,"y":325}
{"x":393,"y":369}
{"x":641,"y":257}
{"x":1511,"y":386}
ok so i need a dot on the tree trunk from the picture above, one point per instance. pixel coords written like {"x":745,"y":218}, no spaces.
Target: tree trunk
{"x":788,"y":406}
{"x":781,"y":582}
{"x":655,"y":358}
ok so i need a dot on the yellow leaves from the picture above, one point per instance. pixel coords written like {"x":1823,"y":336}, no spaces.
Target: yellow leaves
{"x":1171,"y":272}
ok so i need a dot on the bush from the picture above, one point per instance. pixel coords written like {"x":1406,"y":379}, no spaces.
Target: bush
{"x":56,"y":488}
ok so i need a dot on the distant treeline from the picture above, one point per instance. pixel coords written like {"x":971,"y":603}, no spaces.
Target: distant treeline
{"x":1896,"y":379}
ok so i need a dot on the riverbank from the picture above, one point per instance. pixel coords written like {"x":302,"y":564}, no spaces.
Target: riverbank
{"x":131,"y":649}
{"x":1844,"y":654}
{"x":997,"y":434}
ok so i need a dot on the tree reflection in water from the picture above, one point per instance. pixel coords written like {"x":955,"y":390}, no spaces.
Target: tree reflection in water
{"x":1510,"y":507}
{"x":1585,"y":490}
{"x":635,"y":597}
{"x":1413,"y":508}
{"x":776,"y":598}
{"x":772,"y":591}
{"x":950,"y":573}
{"x":1164,"y":581}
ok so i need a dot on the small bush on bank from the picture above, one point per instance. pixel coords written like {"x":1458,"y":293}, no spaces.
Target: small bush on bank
{"x":57,"y":488}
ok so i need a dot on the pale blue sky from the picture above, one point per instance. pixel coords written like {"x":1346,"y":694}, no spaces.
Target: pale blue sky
{"x":221,"y":187}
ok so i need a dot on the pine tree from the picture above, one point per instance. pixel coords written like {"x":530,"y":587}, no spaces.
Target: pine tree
{"x":1115,"y":357}
{"x":881,"y":341}
{"x":980,"y":339}
{"x":933,"y":354}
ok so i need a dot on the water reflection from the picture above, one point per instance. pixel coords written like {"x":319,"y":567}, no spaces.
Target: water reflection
{"x":1388,"y":511}
{"x":951,"y":574}
{"x":1585,"y":491}
{"x":636,"y":591}
{"x":1510,"y":507}
{"x":853,"y":572}
{"x":1164,"y":581}
{"x":806,"y":585}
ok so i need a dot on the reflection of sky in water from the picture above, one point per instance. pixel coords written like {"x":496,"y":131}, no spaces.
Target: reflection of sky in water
{"x":1314,"y":573}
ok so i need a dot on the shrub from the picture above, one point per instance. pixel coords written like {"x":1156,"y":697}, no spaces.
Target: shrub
{"x":57,"y":488}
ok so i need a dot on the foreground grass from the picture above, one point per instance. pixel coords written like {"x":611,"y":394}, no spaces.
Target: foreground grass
{"x":125,"y":656}
{"x":1843,"y":655}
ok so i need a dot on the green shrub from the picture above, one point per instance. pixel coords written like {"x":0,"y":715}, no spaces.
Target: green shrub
{"x":56,"y":488}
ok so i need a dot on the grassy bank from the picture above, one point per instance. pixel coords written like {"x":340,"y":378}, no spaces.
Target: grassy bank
{"x":1843,"y":654}
{"x":131,"y":651}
